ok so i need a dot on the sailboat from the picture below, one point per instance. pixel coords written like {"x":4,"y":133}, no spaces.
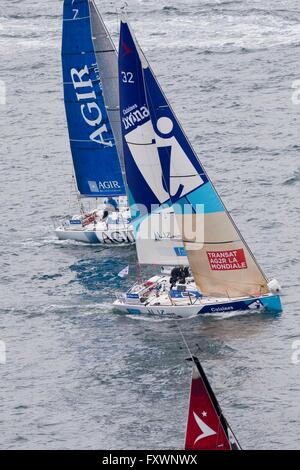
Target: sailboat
{"x":207,"y":427}
{"x":89,"y":62}
{"x":209,"y":268}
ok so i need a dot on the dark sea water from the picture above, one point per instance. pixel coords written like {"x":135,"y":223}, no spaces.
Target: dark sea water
{"x":79,"y":375}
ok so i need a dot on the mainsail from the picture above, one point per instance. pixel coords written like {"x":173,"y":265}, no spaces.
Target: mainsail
{"x":207,"y":428}
{"x":86,"y":84}
{"x":163,"y":170}
{"x":107,"y":61}
{"x":158,"y":237}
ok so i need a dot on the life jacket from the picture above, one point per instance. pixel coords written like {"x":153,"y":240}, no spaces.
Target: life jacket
{"x":89,"y":219}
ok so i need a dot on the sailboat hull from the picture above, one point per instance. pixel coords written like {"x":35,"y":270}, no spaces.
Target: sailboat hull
{"x":268,"y":303}
{"x":154,"y":297}
{"x":115,"y":230}
{"x":83,"y":236}
{"x":93,"y":235}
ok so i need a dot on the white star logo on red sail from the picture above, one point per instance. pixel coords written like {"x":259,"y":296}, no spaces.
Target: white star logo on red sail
{"x":206,"y":431}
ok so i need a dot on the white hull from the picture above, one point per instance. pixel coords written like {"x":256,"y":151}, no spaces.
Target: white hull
{"x":116,"y":230}
{"x":150,"y":299}
{"x":104,"y":237}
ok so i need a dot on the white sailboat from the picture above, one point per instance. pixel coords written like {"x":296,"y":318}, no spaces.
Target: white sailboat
{"x":90,"y":77}
{"x":215,"y":271}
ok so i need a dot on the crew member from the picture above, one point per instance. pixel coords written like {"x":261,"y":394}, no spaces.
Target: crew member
{"x":175,"y":275}
{"x":105,"y":215}
{"x":182,"y":275}
{"x":186,"y":270}
{"x":112,"y":204}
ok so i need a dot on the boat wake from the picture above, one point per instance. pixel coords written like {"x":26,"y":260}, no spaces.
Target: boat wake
{"x":157,"y":319}
{"x":295,"y":178}
{"x":83,"y":310}
{"x":234,"y":314}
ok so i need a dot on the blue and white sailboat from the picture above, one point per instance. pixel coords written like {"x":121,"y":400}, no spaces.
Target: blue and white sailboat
{"x":89,"y":62}
{"x":212,"y":268}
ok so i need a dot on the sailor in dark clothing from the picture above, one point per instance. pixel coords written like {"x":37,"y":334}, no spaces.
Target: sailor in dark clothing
{"x":186,"y":271}
{"x":173,"y":278}
{"x":182,"y":276}
{"x":111,"y":205}
{"x":105,"y":215}
{"x":110,"y":201}
{"x":177,"y":274}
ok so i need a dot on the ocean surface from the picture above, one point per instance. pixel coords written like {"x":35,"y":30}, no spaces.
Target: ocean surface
{"x":78,"y":375}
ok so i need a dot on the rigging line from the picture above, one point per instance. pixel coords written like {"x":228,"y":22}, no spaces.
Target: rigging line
{"x":184,"y":340}
{"x":71,"y":192}
{"x":239,"y":445}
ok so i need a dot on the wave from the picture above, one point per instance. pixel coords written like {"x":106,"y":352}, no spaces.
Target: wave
{"x":295,"y":178}
{"x":156,"y":318}
{"x":19,"y":16}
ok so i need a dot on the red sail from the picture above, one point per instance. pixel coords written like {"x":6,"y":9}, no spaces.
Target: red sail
{"x":207,"y":428}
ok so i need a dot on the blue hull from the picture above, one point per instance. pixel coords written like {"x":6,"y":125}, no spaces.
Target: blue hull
{"x":270,"y":303}
{"x":91,"y":237}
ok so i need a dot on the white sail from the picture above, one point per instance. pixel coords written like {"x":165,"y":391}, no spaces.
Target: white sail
{"x":159,"y":239}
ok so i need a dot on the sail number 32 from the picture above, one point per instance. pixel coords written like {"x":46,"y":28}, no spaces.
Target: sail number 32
{"x":127,"y":77}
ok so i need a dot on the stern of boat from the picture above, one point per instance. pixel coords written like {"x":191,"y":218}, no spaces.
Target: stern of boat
{"x":272,"y":303}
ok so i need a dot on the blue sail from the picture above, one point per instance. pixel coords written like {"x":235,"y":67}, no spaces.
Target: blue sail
{"x":167,"y":149}
{"x":158,"y":238}
{"x":94,"y":152}
{"x":173,"y":144}
{"x":133,"y":110}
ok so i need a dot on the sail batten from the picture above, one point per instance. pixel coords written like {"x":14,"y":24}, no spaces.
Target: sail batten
{"x":92,"y":138}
